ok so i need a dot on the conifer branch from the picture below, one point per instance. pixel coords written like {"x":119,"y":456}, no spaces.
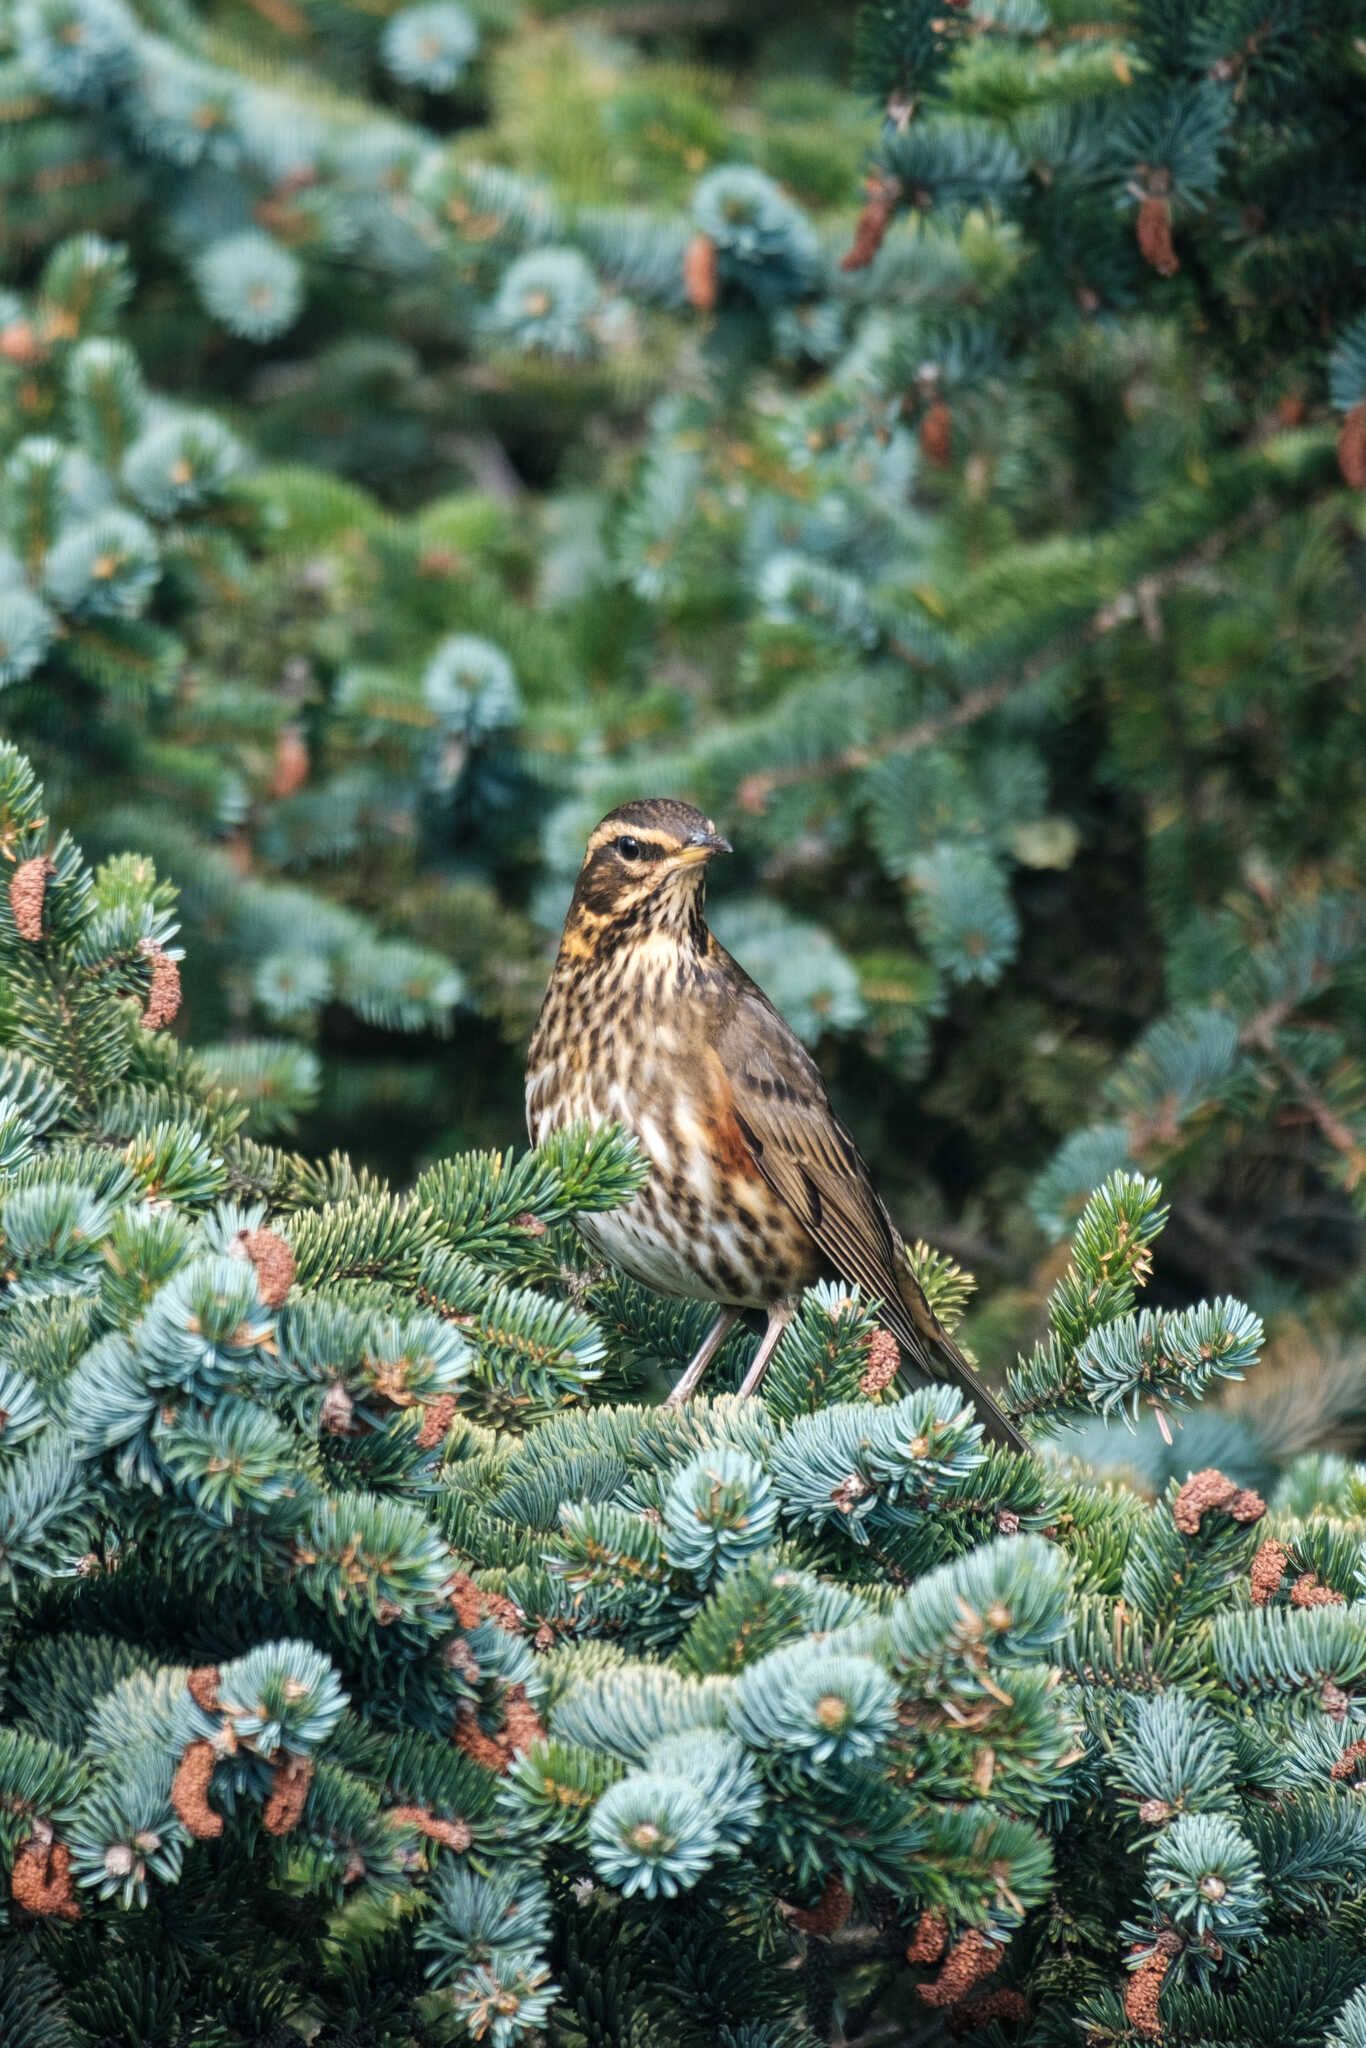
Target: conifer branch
{"x":1138,"y":600}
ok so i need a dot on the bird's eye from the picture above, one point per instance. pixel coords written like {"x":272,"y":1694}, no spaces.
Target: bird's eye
{"x":628,"y":848}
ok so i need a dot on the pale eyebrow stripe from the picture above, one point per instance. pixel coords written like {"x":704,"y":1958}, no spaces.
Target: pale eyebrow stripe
{"x":657,"y":842}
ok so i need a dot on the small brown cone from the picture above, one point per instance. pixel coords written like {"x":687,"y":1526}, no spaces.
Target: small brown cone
{"x":971,"y":1958}
{"x":1141,"y":1994}
{"x":829,"y":1914}
{"x":1267,"y":1571}
{"x":436,"y":1422}
{"x":884,"y":1363}
{"x":163,"y":990}
{"x":27,"y":892}
{"x":873,"y":222}
{"x":40,"y":1880}
{"x":1347,"y":1764}
{"x":1201,"y":1494}
{"x":1154,"y":231}
{"x":451,"y":1834}
{"x":273,"y":1259}
{"x":521,"y":1728}
{"x":936,"y":435}
{"x":1310,"y":1591}
{"x":930,"y":1939}
{"x":190,"y":1792}
{"x":473,"y":1604}
{"x":288,"y":1791}
{"x":699,"y":273}
{"x":1352,"y":446}
{"x":202,"y":1686}
{"x":291,"y":766}
{"x":523,"y":1724}
{"x":474,"y":1743}
{"x":19,"y":343}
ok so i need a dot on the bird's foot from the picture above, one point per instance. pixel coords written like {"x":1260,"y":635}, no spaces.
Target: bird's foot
{"x":778,"y":1319}
{"x":692,"y":1378}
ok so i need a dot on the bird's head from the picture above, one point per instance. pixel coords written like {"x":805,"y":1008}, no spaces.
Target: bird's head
{"x":645,"y":866}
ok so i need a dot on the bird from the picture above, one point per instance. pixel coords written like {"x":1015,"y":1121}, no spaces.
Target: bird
{"x":756,"y":1189}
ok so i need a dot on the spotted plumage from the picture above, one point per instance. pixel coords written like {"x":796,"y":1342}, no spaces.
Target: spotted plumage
{"x":756,"y":1189}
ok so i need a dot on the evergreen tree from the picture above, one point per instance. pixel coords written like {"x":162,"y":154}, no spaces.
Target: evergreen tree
{"x":990,"y":552}
{"x":933,"y":439}
{"x":370,"y":1677}
{"x":259,"y":675}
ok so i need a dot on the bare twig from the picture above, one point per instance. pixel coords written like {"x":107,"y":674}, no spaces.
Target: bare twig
{"x":1331,"y":1126}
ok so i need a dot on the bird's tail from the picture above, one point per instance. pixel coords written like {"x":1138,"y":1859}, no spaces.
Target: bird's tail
{"x":929,"y":1353}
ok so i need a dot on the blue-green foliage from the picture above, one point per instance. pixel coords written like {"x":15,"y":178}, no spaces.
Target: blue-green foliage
{"x":278,"y":1594}
{"x":546,"y":301}
{"x":991,"y":569}
{"x":767,"y":248}
{"x":430,"y":45}
{"x":126,"y":511}
{"x":79,"y":49}
{"x":251,"y":284}
{"x":27,"y":630}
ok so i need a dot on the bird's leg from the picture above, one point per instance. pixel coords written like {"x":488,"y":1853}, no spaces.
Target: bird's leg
{"x":779,"y":1316}
{"x":702,"y":1358}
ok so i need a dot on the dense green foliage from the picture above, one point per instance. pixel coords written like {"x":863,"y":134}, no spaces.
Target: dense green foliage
{"x":933,"y":438}
{"x":367,"y":1678}
{"x":1002,"y":594}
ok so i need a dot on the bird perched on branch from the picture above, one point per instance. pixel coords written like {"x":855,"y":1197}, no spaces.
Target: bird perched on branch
{"x":756,"y":1189}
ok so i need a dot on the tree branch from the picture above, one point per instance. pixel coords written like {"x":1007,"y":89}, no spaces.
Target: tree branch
{"x":1138,"y":601}
{"x":1331,"y":1126}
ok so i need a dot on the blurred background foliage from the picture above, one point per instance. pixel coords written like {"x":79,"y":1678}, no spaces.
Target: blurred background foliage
{"x":934,"y":443}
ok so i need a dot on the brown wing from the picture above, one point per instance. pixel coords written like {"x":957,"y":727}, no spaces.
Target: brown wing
{"x":809,"y":1159}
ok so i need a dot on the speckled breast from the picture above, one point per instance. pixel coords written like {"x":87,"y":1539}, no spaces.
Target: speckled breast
{"x":706,"y":1225}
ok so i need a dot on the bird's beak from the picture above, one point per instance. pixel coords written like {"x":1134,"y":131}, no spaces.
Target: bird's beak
{"x":703,"y":845}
